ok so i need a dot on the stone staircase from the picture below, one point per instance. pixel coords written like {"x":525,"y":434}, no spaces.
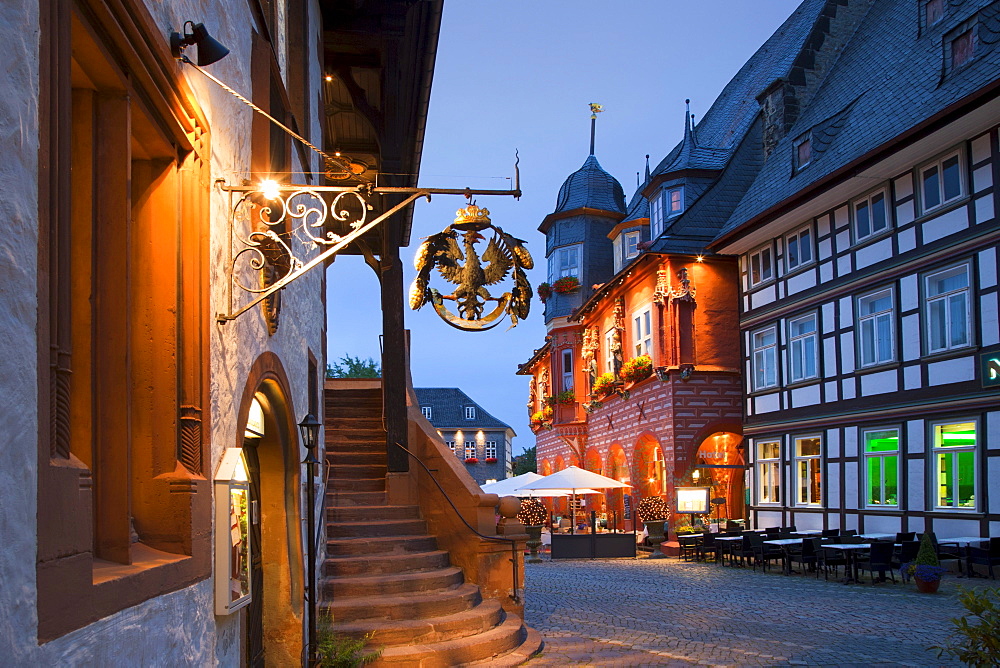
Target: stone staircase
{"x":383,"y":573}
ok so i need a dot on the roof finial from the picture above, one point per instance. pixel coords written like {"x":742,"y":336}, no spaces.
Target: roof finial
{"x":594,"y":110}
{"x":694,"y":132}
{"x":647,"y":166}
{"x":637,"y":182}
{"x":687,"y":119}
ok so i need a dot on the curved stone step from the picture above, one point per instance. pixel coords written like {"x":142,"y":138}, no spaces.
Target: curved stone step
{"x":529,"y":647}
{"x":357,"y":471}
{"x":361,"y":457}
{"x":473,"y":621}
{"x":371,"y":513}
{"x":407,"y":527}
{"x":377,"y":585}
{"x":372,"y":564}
{"x":495,"y":642}
{"x":413,"y":605}
{"x":356,"y":485}
{"x":376,"y":545}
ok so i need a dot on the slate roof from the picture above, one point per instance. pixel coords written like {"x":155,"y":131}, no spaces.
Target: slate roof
{"x":448,"y":409}
{"x":638,"y":207}
{"x":725,"y":138}
{"x":887,"y":80}
{"x":591,"y":187}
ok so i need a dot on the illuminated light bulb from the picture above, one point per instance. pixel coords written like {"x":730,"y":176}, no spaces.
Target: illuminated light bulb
{"x":696,"y":475}
{"x":269,"y":189}
{"x":701,"y":258}
{"x":329,"y":77}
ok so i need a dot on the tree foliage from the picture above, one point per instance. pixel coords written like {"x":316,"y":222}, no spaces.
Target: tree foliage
{"x":525,"y":462}
{"x":354,"y":367}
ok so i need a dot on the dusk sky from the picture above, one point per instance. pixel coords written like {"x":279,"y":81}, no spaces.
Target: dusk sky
{"x":519,"y":75}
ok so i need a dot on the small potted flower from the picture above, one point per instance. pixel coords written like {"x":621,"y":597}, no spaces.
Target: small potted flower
{"x":654,"y":513}
{"x":637,"y":368}
{"x":544,"y":292}
{"x":925,"y":569}
{"x":566,"y":284}
{"x":542,"y":419}
{"x":471,"y":460}
{"x":605,"y":384}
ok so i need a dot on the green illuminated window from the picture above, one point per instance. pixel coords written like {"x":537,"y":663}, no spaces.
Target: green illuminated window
{"x":882,"y":468}
{"x":955,"y":465}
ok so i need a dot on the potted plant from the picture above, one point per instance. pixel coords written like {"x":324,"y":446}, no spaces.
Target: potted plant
{"x":605,"y":384}
{"x":925,"y":569}
{"x":637,"y":368}
{"x":565,"y":398}
{"x":654,"y":513}
{"x":544,"y":291}
{"x":542,"y":419}
{"x":532,"y":515}
{"x":566,"y":284}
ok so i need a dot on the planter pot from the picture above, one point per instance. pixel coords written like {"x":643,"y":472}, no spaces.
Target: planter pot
{"x":655,"y":530}
{"x":534,"y":542}
{"x":927,"y":586}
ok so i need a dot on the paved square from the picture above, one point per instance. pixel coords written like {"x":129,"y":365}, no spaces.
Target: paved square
{"x":662,"y":612}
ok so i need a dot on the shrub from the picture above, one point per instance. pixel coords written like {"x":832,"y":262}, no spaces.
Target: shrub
{"x":976,"y":644}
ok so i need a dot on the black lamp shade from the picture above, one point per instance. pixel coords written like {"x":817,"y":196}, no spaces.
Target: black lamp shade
{"x":210,"y":50}
{"x":309,"y":430}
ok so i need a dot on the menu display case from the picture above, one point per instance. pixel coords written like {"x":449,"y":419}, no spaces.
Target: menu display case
{"x":232,"y":539}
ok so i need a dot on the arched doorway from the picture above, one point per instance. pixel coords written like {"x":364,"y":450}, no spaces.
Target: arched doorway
{"x":720,"y":465}
{"x":617,"y":468}
{"x":273,"y":621}
{"x":650,"y":467}
{"x":593,"y":462}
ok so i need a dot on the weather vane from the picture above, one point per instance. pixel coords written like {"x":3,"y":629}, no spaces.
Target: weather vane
{"x":595,"y":109}
{"x":454,"y":254}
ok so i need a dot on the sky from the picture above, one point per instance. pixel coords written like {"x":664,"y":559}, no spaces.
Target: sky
{"x":519,"y":75}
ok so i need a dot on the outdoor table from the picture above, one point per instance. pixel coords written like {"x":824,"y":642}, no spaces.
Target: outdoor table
{"x":877,"y":536}
{"x":785,"y":545}
{"x":849,"y":550}
{"x":963,"y":540}
{"x":728,"y":542}
{"x":807,"y":532}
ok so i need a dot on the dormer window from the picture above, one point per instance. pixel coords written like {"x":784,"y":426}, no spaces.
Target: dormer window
{"x":674,"y":200}
{"x":669,"y":202}
{"x":656,"y":217}
{"x":803,"y":151}
{"x":631,"y":244}
{"x":564,"y":261}
{"x":962,"y":48}
{"x":470,"y":412}
{"x":426,"y":411}
{"x":933,"y":12}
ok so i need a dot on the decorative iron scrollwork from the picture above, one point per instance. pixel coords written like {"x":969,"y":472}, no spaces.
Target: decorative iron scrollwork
{"x":454,"y":254}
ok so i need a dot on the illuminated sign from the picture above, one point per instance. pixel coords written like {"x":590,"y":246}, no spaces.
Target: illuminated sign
{"x":232,"y":538}
{"x":989,"y":367}
{"x":692,"y":500}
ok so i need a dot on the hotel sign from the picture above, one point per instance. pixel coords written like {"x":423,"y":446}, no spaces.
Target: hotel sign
{"x":989,"y":367}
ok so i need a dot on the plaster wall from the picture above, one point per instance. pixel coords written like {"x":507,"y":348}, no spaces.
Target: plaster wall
{"x":178,"y":628}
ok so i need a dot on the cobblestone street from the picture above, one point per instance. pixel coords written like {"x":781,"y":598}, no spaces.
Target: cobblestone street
{"x":624,"y":612}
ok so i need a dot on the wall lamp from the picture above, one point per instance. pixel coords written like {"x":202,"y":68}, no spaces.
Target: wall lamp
{"x":210,"y":50}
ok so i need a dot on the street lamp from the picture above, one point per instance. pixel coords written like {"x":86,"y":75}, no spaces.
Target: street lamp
{"x":309,"y":431}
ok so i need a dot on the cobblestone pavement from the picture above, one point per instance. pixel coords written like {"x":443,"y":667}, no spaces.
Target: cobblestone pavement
{"x":665,"y":612}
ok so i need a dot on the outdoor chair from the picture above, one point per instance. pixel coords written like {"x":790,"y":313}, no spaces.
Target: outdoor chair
{"x":689,"y":547}
{"x":848,"y":532}
{"x":707,"y":546}
{"x":742,"y":550}
{"x":984,"y":556}
{"x":830,"y":533}
{"x":947,"y":554}
{"x":772,"y":530}
{"x":791,"y":529}
{"x":807,"y":555}
{"x":764,"y":554}
{"x":906,"y":536}
{"x":906,"y":554}
{"x":879,"y":558}
{"x":828,"y":559}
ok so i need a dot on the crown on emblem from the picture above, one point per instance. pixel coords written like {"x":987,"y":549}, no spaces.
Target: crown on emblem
{"x":472,"y":217}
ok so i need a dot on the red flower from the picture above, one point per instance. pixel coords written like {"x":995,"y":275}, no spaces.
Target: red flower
{"x":491,"y":460}
{"x":471,"y":460}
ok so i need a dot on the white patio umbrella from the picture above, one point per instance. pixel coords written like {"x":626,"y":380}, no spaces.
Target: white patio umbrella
{"x":512,"y":487}
{"x":578,"y":481}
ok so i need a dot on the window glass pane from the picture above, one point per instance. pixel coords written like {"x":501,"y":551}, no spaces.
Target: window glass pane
{"x":884,"y":340}
{"x":961,"y":49}
{"x":807,"y":446}
{"x":944,"y":479}
{"x":676,"y":202}
{"x":890,"y":478}
{"x":935,"y":10}
{"x":954,"y":279}
{"x":959,"y":331}
{"x":803,"y":326}
{"x":803,"y":481}
{"x":878,"y":213}
{"x":867,"y":342}
{"x":804,"y":152}
{"x":882,"y":441}
{"x":765,"y":264}
{"x":770,"y":449}
{"x":962,"y":434}
{"x":874,"y":495}
{"x":936,"y":325}
{"x":814,"y":481}
{"x":863,"y":220}
{"x":805,"y":246}
{"x":932,"y":195}
{"x":793,"y":251}
{"x":765,"y":338}
{"x":755,"y":269}
{"x":966,"y":478}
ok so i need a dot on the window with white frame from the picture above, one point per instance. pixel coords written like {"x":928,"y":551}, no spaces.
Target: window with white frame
{"x":616,"y":246}
{"x":803,"y":151}
{"x":470,"y":412}
{"x":491,"y":449}
{"x":642,"y":332}
{"x":955,"y":471}
{"x":631,"y":244}
{"x":808,"y":471}
{"x":673,"y":201}
{"x":451,"y":445}
{"x":870,"y":216}
{"x":656,"y":216}
{"x":564,"y":261}
{"x":768,"y":472}
{"x":761,"y":266}
{"x":765,"y":358}
{"x":803,"y":351}
{"x":881,"y":468}
{"x":947,"y":309}
{"x":941,"y":181}
{"x":799,"y":249}
{"x":567,"y":370}
{"x":876,"y":344}
{"x":427,"y":412}
{"x":470,"y":449}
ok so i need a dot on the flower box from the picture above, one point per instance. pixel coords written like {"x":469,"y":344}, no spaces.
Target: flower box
{"x":637,"y":368}
{"x":566,"y":284}
{"x":491,"y":460}
{"x":544,"y":291}
{"x":605,"y":384}
{"x":471,"y":460}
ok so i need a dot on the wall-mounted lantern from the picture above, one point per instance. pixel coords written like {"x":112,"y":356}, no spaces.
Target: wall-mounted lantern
{"x":232,"y":538}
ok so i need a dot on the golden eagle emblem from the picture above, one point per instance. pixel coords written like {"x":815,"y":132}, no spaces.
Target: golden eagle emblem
{"x":453,"y":252}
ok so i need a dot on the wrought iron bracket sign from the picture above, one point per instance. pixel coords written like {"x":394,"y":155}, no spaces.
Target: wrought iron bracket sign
{"x":287,"y":224}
